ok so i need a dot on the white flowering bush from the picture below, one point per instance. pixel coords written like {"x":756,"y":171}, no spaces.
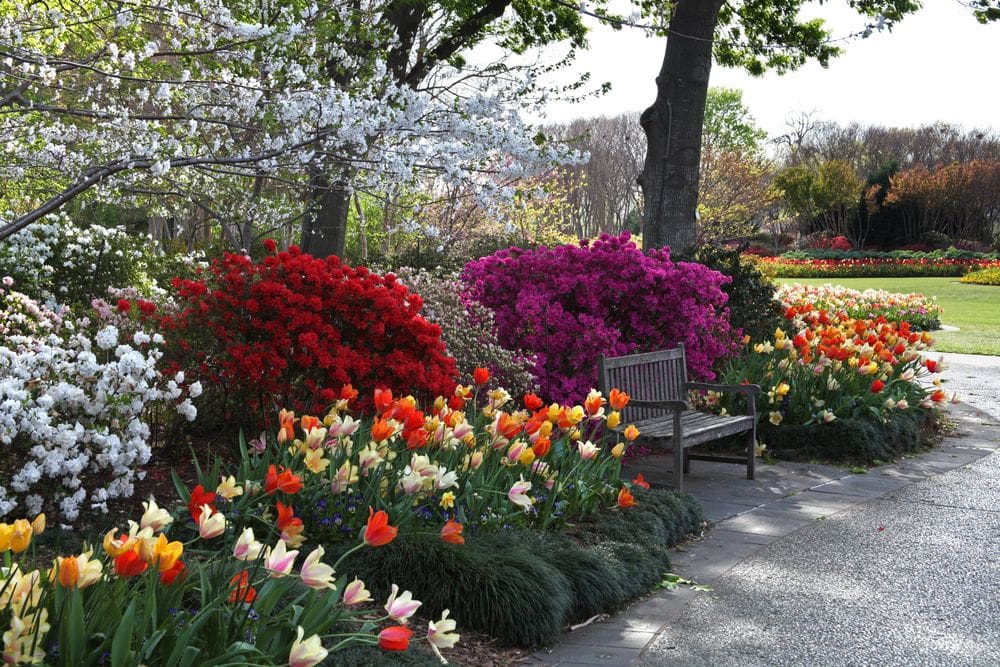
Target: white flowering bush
{"x":75,"y":401}
{"x":56,"y":260}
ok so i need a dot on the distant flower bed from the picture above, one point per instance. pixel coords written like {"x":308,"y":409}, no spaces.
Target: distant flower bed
{"x":831,"y":366}
{"x":921,"y":313}
{"x":787,"y":267}
{"x":983,"y":277}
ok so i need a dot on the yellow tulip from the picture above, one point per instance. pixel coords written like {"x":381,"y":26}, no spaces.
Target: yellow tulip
{"x":527,"y":457}
{"x":38,"y":525}
{"x":618,"y":450}
{"x":6,"y":530}
{"x":115,"y":547}
{"x":166,"y":554}
{"x":20,"y":537}
{"x":614,"y":419}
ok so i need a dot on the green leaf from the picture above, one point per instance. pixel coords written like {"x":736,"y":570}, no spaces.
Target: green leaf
{"x":73,"y":633}
{"x":122,"y":642}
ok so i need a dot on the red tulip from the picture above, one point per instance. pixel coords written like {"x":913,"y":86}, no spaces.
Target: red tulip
{"x":129,"y":564}
{"x":640,"y":481}
{"x":626,"y":499}
{"x":378,"y":532}
{"x":877,"y":386}
{"x":286,"y":481}
{"x":532,"y":402}
{"x":395,"y":638}
{"x":481,"y":376}
{"x":198,"y":498}
{"x":168,"y":577}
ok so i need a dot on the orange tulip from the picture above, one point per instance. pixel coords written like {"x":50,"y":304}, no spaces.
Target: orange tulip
{"x":542,"y":446}
{"x":383,"y":399}
{"x":378,"y":532}
{"x":626,"y":499}
{"x":241,"y":591}
{"x":286,"y":432}
{"x":618,"y":399}
{"x":452,"y":532}
{"x":640,"y":481}
{"x":308,"y":423}
{"x":69,"y":572}
{"x":631,"y":432}
{"x":286,"y":481}
{"x":382,"y":430}
{"x":532,"y":402}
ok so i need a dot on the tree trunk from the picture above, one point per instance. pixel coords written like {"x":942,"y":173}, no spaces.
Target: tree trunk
{"x":673,"y":127}
{"x":325,"y":232}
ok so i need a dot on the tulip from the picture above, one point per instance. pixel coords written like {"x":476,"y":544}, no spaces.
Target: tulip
{"x":402,"y":607}
{"x":588,"y":450}
{"x":316,"y":574}
{"x":6,"y":530}
{"x":444,"y":479}
{"x":614,"y":419}
{"x":518,"y":494}
{"x":130,"y":564}
{"x":278,"y":560}
{"x":877,"y":386}
{"x":199,"y":497}
{"x":20,"y":536}
{"x":481,"y":376}
{"x":631,"y":432}
{"x":618,"y":450}
{"x":166,"y":554}
{"x":168,"y":577}
{"x":307,"y":423}
{"x":38,"y":524}
{"x":527,"y":457}
{"x":378,"y":532}
{"x":246,"y":547}
{"x":774,"y":417}
{"x":395,"y":638}
{"x":356,"y":593}
{"x":155,"y":517}
{"x":412,"y":483}
{"x":626,"y":499}
{"x":441,"y":633}
{"x":241,"y":590}
{"x":286,"y":481}
{"x":476,"y":460}
{"x":210,"y":525}
{"x":640,"y":481}
{"x":347,"y":475}
{"x":67,"y":572}
{"x":287,"y":430}
{"x":532,"y":402}
{"x":452,"y":532}
{"x":228,"y":488}
{"x":618,"y":399}
{"x":306,"y":653}
{"x":314,"y":460}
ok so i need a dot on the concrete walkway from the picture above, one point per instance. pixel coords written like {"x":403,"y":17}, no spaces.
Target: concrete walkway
{"x":777,"y":595}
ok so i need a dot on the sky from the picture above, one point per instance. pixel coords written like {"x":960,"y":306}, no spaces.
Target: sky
{"x":937,"y":64}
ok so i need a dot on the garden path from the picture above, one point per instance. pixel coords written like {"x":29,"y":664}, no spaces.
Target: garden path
{"x":813,"y":565}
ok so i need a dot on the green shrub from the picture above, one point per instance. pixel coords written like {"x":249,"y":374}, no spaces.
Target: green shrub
{"x":524,"y":587}
{"x":751,"y":303}
{"x":373,"y":656}
{"x":983,"y":277}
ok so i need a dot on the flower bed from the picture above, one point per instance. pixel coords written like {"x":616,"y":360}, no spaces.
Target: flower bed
{"x":921,"y":313}
{"x":831,"y":367}
{"x":983,"y":277}
{"x":785,"y":267}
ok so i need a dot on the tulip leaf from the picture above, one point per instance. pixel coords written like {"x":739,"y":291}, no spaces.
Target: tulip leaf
{"x":123,"y":637}
{"x":73,"y":631}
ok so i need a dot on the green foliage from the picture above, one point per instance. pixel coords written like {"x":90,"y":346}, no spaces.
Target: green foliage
{"x":751,"y":304}
{"x":728,"y":124}
{"x":983,"y":277}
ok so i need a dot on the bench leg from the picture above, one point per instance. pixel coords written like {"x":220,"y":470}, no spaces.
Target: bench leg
{"x":687,"y":461}
{"x":678,"y":454}
{"x":751,"y":452}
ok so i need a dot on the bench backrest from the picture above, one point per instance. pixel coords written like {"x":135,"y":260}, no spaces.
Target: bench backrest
{"x":650,"y":376}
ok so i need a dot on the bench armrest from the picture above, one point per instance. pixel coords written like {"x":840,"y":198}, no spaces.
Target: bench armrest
{"x":676,"y":406}
{"x":752,"y":389}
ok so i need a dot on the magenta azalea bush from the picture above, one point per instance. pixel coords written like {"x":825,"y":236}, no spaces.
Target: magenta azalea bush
{"x":568,"y":304}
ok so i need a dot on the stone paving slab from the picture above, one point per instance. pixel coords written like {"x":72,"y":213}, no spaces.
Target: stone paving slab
{"x":746,"y":516}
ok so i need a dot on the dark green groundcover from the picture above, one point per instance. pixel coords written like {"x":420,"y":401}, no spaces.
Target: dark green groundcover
{"x":524,"y":587}
{"x":851,"y":441}
{"x":863,"y":441}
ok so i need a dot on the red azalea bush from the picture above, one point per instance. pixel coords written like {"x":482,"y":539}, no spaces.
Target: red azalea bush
{"x":294,"y":330}
{"x":568,"y":304}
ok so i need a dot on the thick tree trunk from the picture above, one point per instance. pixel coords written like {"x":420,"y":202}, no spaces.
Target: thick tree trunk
{"x":325,"y":232}
{"x":673,"y":127}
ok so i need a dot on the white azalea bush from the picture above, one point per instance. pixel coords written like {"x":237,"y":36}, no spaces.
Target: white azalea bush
{"x":75,"y":403}
{"x":58,"y":260}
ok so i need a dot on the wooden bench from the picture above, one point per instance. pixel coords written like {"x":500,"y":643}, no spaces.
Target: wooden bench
{"x":658,"y":386}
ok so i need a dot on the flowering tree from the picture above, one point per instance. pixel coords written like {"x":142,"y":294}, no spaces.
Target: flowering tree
{"x":273,"y":112}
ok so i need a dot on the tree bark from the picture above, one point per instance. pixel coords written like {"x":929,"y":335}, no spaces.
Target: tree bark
{"x":324,"y":232}
{"x":673,"y":127}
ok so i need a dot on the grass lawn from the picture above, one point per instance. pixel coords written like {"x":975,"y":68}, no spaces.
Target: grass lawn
{"x":975,"y":309}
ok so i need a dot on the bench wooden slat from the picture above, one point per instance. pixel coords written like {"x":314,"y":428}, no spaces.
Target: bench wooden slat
{"x":662,"y":376}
